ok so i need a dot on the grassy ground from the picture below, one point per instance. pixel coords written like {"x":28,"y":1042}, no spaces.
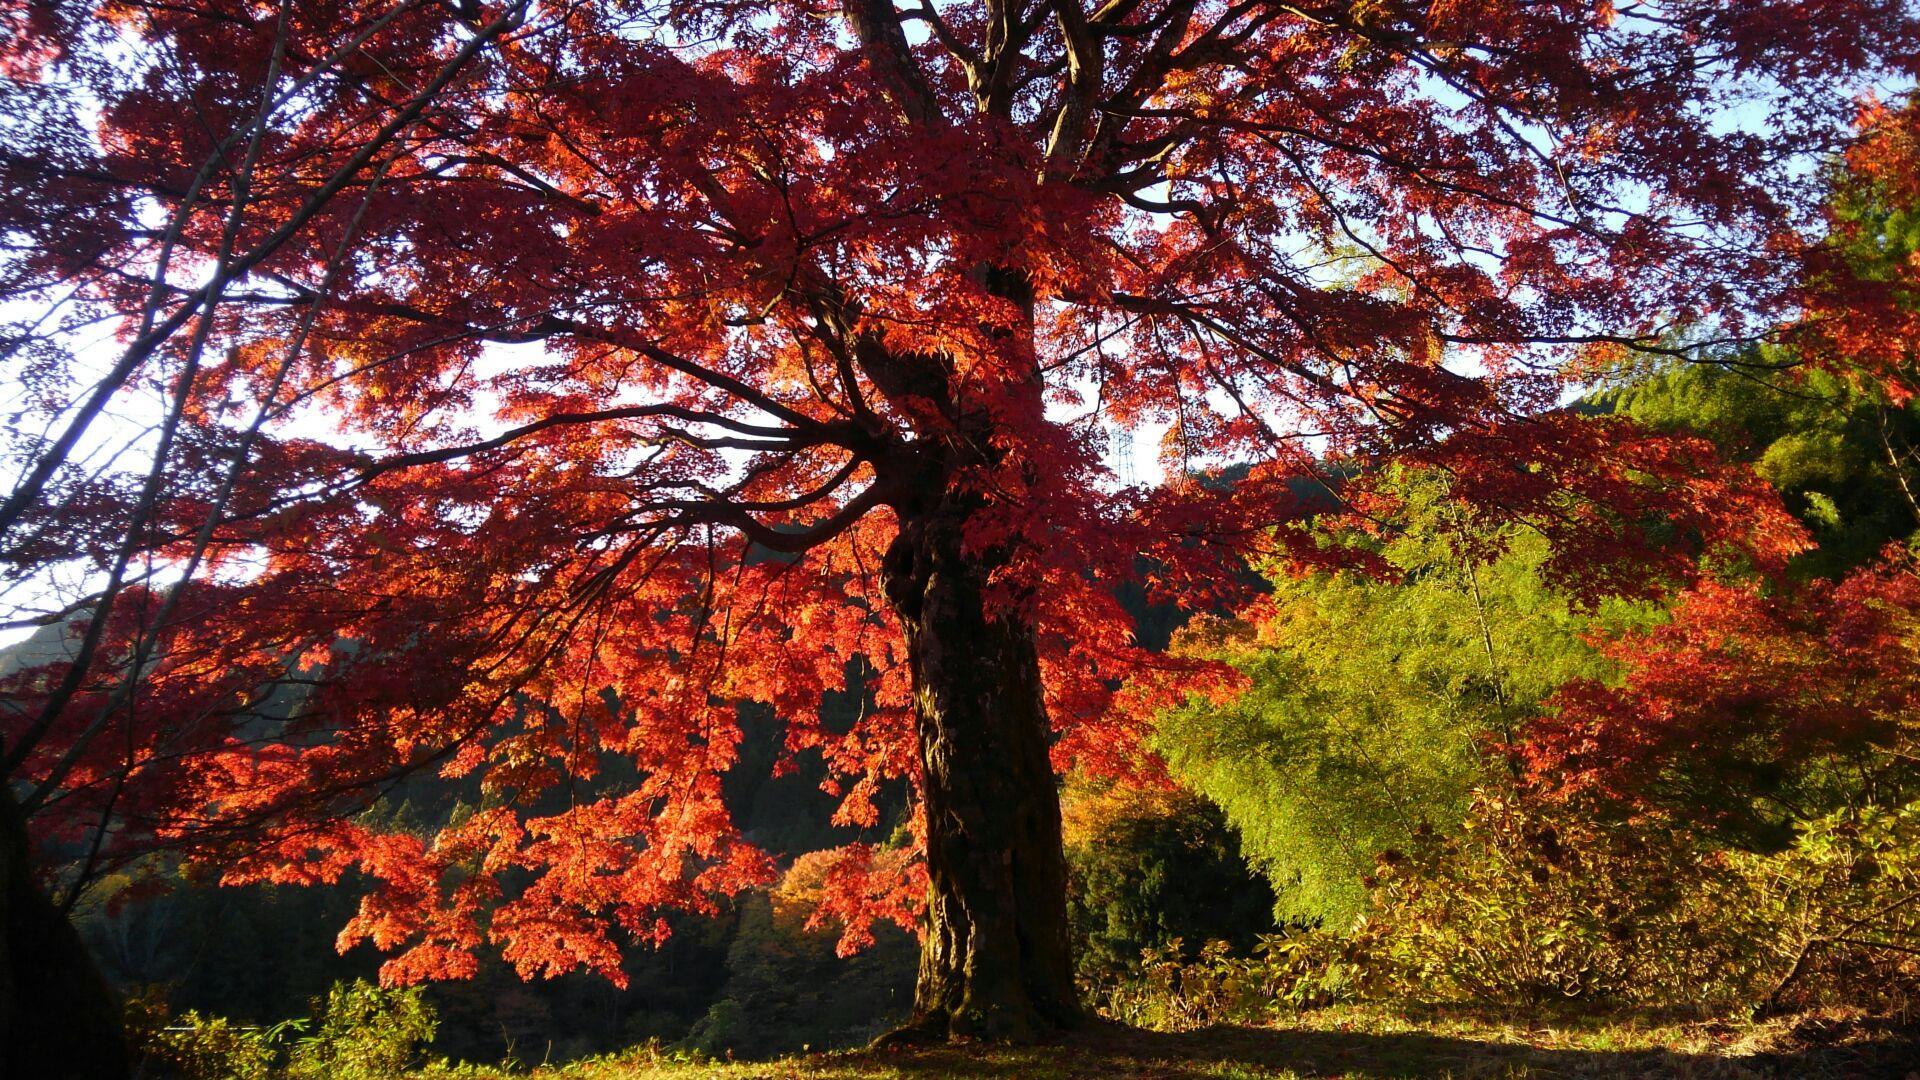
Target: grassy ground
{"x":1359,"y":1043}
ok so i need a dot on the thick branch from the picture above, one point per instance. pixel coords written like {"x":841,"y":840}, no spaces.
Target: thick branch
{"x":884,"y":42}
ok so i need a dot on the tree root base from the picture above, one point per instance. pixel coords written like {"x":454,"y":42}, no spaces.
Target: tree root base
{"x":1007,"y":1026}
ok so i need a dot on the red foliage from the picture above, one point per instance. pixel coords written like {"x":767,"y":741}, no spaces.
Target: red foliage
{"x":854,"y":887}
{"x":1741,"y":691}
{"x":787,"y":270}
{"x":1863,"y":284}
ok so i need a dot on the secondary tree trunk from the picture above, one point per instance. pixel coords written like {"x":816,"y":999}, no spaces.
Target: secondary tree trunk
{"x":995,"y":963}
{"x":58,"y":1019}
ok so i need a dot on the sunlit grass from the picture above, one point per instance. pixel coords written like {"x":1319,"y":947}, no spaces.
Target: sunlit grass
{"x":1350,"y":1042}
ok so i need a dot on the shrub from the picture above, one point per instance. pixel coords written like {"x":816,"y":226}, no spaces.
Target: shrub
{"x":196,"y":1047}
{"x":1150,"y":868}
{"x":363,"y":1032}
{"x":1843,"y":905}
{"x":359,"y":1032}
{"x":1529,"y":905}
{"x":1301,"y":966}
{"x":1524,"y":908}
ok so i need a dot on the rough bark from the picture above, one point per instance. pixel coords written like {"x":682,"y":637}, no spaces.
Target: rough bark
{"x":58,"y":1018}
{"x":995,"y":963}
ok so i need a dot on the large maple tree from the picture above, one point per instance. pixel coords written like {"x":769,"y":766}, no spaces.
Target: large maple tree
{"x":512,"y":390}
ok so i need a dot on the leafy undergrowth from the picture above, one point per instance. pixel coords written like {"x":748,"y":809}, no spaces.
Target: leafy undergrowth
{"x":1357,"y":1043}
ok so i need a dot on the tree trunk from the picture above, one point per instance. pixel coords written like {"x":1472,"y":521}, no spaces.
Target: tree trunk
{"x":58,"y":1019}
{"x":995,"y":962}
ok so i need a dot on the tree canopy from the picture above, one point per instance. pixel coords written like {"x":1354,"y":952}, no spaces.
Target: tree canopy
{"x":507,"y":389}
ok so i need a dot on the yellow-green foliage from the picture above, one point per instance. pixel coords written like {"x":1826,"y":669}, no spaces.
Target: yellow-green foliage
{"x":1840,"y":452}
{"x":359,"y":1032}
{"x":1376,"y":707}
{"x":1527,"y":908}
{"x":363,"y":1033}
{"x":196,"y":1047}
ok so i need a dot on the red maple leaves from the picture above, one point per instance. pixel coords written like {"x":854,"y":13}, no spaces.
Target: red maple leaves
{"x":1727,"y":706}
{"x":537,"y":385}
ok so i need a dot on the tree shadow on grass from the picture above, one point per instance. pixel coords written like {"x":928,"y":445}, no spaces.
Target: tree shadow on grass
{"x":1113,"y":1053}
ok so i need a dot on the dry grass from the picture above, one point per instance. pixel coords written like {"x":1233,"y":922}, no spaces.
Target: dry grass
{"x":1358,"y":1043}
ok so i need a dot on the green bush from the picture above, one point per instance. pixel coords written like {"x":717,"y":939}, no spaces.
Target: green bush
{"x":1842,"y":908}
{"x":786,"y":987}
{"x":359,"y":1032}
{"x":363,"y":1032}
{"x":1148,"y":869}
{"x":1529,"y":905}
{"x":1523,"y":907}
{"x":196,"y":1047}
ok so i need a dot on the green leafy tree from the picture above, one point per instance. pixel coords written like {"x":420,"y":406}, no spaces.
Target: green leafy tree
{"x":788,"y":986}
{"x":1826,"y":414}
{"x":1375,"y":707}
{"x":1842,"y":452}
{"x":1154,"y":870}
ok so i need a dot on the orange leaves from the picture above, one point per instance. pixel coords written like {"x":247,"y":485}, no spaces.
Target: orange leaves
{"x":1742,"y":693}
{"x":1888,"y":150}
{"x":1862,"y":287}
{"x":854,"y":887}
{"x":1627,"y":510}
{"x":598,"y":381}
